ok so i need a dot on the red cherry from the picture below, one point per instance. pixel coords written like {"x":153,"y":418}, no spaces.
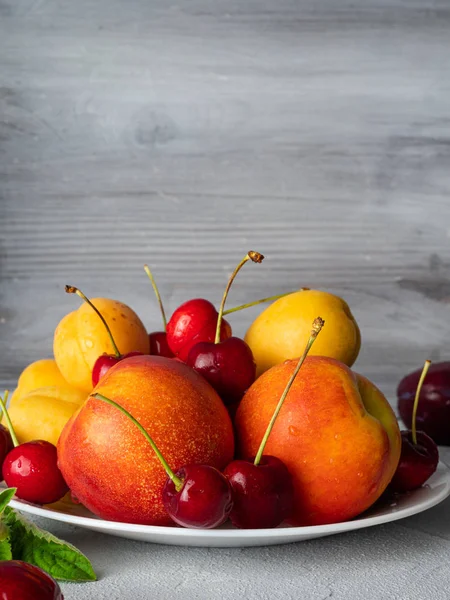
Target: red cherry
{"x":433,"y":412}
{"x":418,"y":461}
{"x":104,"y":362}
{"x":192,"y":322}
{"x":22,"y":581}
{"x":6,"y":444}
{"x":263,"y":494}
{"x":228,"y":366}
{"x":32,"y":468}
{"x":159,"y":345}
{"x":204,"y":499}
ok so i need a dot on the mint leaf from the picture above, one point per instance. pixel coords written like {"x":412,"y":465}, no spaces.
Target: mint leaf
{"x":5,"y":497}
{"x":32,"y":544}
{"x":5,"y":544}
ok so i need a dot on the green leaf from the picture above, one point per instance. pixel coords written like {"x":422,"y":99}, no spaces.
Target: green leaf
{"x":32,"y":544}
{"x":5,"y":497}
{"x":5,"y":544}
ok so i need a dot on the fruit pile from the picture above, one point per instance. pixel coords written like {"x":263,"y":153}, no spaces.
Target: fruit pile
{"x":191,"y":425}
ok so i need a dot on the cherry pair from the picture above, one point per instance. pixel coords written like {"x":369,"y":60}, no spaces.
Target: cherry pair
{"x":419,"y":454}
{"x":31,"y":468}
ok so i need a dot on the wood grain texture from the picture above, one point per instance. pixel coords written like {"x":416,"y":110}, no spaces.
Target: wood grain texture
{"x":185,"y":134}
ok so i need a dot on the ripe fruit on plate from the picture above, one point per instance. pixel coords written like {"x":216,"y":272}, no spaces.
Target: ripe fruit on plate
{"x":433,"y":411}
{"x":282,"y":329}
{"x":39,"y":374}
{"x":420,"y":456}
{"x":80,"y":338}
{"x":107,"y":462}
{"x":42,"y":413}
{"x":32,"y":467}
{"x":263,"y":491}
{"x":22,"y":581}
{"x":336,"y":434}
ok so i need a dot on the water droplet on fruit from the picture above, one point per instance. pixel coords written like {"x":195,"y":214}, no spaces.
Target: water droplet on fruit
{"x":336,"y":436}
{"x":293,"y":431}
{"x":331,"y":461}
{"x":360,"y":474}
{"x":89,"y":344}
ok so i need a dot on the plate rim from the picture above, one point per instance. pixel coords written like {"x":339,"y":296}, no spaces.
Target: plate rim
{"x":442,"y":471}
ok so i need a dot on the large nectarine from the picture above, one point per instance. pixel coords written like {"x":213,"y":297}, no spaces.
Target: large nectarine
{"x":107,"y":462}
{"x":80,"y":338}
{"x":336,"y":433}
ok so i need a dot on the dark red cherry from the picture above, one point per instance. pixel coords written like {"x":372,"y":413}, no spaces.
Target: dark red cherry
{"x":433,"y":411}
{"x":6,"y":445}
{"x":204,"y":500}
{"x":32,"y":468}
{"x":263,"y":494}
{"x":417,"y":462}
{"x":22,"y":581}
{"x":104,"y":362}
{"x":192,"y":322}
{"x":159,"y":345}
{"x":228,"y":366}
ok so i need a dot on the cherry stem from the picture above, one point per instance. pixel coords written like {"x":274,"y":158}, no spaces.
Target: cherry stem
{"x":158,"y":297}
{"x":255,"y":303}
{"x":176,"y":480}
{"x":426,"y":366}
{"x":251,"y":255}
{"x":317,"y":326}
{"x":3,"y":402}
{"x":70,"y":289}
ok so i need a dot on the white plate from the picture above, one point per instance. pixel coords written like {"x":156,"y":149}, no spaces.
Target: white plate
{"x":435,"y":491}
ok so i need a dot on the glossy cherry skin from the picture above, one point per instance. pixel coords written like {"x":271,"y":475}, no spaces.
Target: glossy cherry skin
{"x":263,"y":494}
{"x":228,"y":366}
{"x":105,"y":362}
{"x":204,"y":501}
{"x":32,"y":468}
{"x":22,"y":581}
{"x":417,"y":462}
{"x":6,"y":445}
{"x":192,"y":322}
{"x":433,"y":411}
{"x":159,"y":345}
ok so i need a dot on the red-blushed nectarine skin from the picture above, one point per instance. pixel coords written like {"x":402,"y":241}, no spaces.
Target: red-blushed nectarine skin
{"x":107,"y":462}
{"x":336,"y":433}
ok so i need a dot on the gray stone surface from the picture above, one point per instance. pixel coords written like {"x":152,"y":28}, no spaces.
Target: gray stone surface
{"x":184,"y":134}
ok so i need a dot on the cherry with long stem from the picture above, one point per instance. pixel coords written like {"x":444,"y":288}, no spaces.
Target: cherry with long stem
{"x":105,"y":361}
{"x":227,"y":365}
{"x":419,"y":455}
{"x":158,"y":339}
{"x":32,"y":467}
{"x":263,"y":491}
{"x":195,"y":495}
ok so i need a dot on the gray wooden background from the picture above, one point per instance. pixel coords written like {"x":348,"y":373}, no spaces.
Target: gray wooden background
{"x":184,"y":134}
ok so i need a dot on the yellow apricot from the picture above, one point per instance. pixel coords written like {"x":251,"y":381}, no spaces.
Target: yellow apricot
{"x":41,"y":414}
{"x":41,"y":373}
{"x":80,"y":338}
{"x":281,"y":331}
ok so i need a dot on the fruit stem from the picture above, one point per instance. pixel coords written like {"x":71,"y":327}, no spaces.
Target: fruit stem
{"x":426,"y":366}
{"x":158,"y":297}
{"x":317,"y":326}
{"x":176,"y":480}
{"x":251,"y":255}
{"x":3,"y":402}
{"x":250,"y":304}
{"x":71,"y":289}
